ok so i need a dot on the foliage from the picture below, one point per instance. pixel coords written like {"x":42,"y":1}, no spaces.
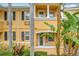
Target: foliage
{"x":26,"y":52}
{"x":5,"y":52}
{"x":50,"y":25}
{"x":70,"y":26}
{"x":52,"y":28}
{"x":48,"y":35}
{"x":40,"y":53}
{"x":18,"y":50}
{"x":70,"y":29}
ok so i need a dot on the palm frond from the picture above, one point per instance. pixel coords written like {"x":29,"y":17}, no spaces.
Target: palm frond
{"x":51,"y":26}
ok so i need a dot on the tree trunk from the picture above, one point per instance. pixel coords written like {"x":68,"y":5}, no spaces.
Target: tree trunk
{"x":32,"y":30}
{"x":58,"y":32}
{"x":69,"y":47}
{"x":10,"y":25}
{"x":76,"y":49}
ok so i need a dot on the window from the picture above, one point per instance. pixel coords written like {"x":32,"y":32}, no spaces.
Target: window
{"x":50,"y":39}
{"x":51,"y":15}
{"x":14,"y":35}
{"x":41,"y":39}
{"x":5,"y":35}
{"x":27,"y":35}
{"x":22,"y":35}
{"x":5,"y":15}
{"x":41,"y":13}
{"x":22,"y":15}
{"x":27,"y":15}
{"x":14,"y":15}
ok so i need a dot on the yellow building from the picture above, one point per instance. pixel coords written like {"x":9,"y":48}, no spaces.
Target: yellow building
{"x":20,"y":26}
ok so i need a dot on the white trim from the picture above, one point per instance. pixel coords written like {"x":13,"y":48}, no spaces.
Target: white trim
{"x":26,"y":14}
{"x":47,"y":10}
{"x":45,"y":18}
{"x":34,"y":11}
{"x":47,"y":47}
{"x":52,"y":14}
{"x":38,"y":40}
{"x":14,"y":42}
{"x":46,"y":31}
{"x":71,"y":9}
{"x":21,"y":42}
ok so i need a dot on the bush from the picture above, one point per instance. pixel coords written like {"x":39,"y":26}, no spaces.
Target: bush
{"x":5,"y":53}
{"x":22,"y":52}
{"x":40,"y":53}
{"x":26,"y":52}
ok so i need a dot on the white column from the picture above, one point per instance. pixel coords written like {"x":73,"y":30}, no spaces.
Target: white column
{"x":44,"y":41}
{"x":38,"y":39}
{"x":62,"y":8}
{"x":47,"y":10}
{"x":10,"y":26}
{"x":34,"y":11}
{"x":31,"y":29}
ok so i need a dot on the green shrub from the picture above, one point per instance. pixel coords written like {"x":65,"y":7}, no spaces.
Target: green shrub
{"x":26,"y":52}
{"x":5,"y":53}
{"x":40,"y":53}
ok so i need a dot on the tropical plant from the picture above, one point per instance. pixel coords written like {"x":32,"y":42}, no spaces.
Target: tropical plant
{"x":26,"y":52}
{"x":40,"y":53}
{"x":5,"y":52}
{"x":69,"y":32}
{"x":18,"y":51}
{"x":52,"y":28}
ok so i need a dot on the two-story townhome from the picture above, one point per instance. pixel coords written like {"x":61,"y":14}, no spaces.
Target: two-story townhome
{"x":20,"y":26}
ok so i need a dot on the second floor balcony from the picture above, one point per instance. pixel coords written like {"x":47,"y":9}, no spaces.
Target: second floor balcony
{"x":45,"y":11}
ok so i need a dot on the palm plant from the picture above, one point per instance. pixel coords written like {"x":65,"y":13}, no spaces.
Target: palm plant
{"x":69,"y":32}
{"x":52,"y":28}
{"x":77,"y":24}
{"x":46,"y":34}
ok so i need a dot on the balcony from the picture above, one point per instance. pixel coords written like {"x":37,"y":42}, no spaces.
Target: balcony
{"x":45,"y":12}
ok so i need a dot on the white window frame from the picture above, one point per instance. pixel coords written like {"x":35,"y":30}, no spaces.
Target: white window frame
{"x":43,"y":41}
{"x":26,"y":14}
{"x":52,"y":14}
{"x":26,"y":35}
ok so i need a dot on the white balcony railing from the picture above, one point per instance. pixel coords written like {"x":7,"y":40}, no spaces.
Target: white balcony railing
{"x":45,"y":18}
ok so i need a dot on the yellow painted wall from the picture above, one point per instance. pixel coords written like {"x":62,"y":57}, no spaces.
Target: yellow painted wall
{"x":19,"y":26}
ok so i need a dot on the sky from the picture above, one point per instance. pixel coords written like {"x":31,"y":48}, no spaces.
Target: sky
{"x":71,"y":5}
{"x":27,"y":4}
{"x":15,"y":4}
